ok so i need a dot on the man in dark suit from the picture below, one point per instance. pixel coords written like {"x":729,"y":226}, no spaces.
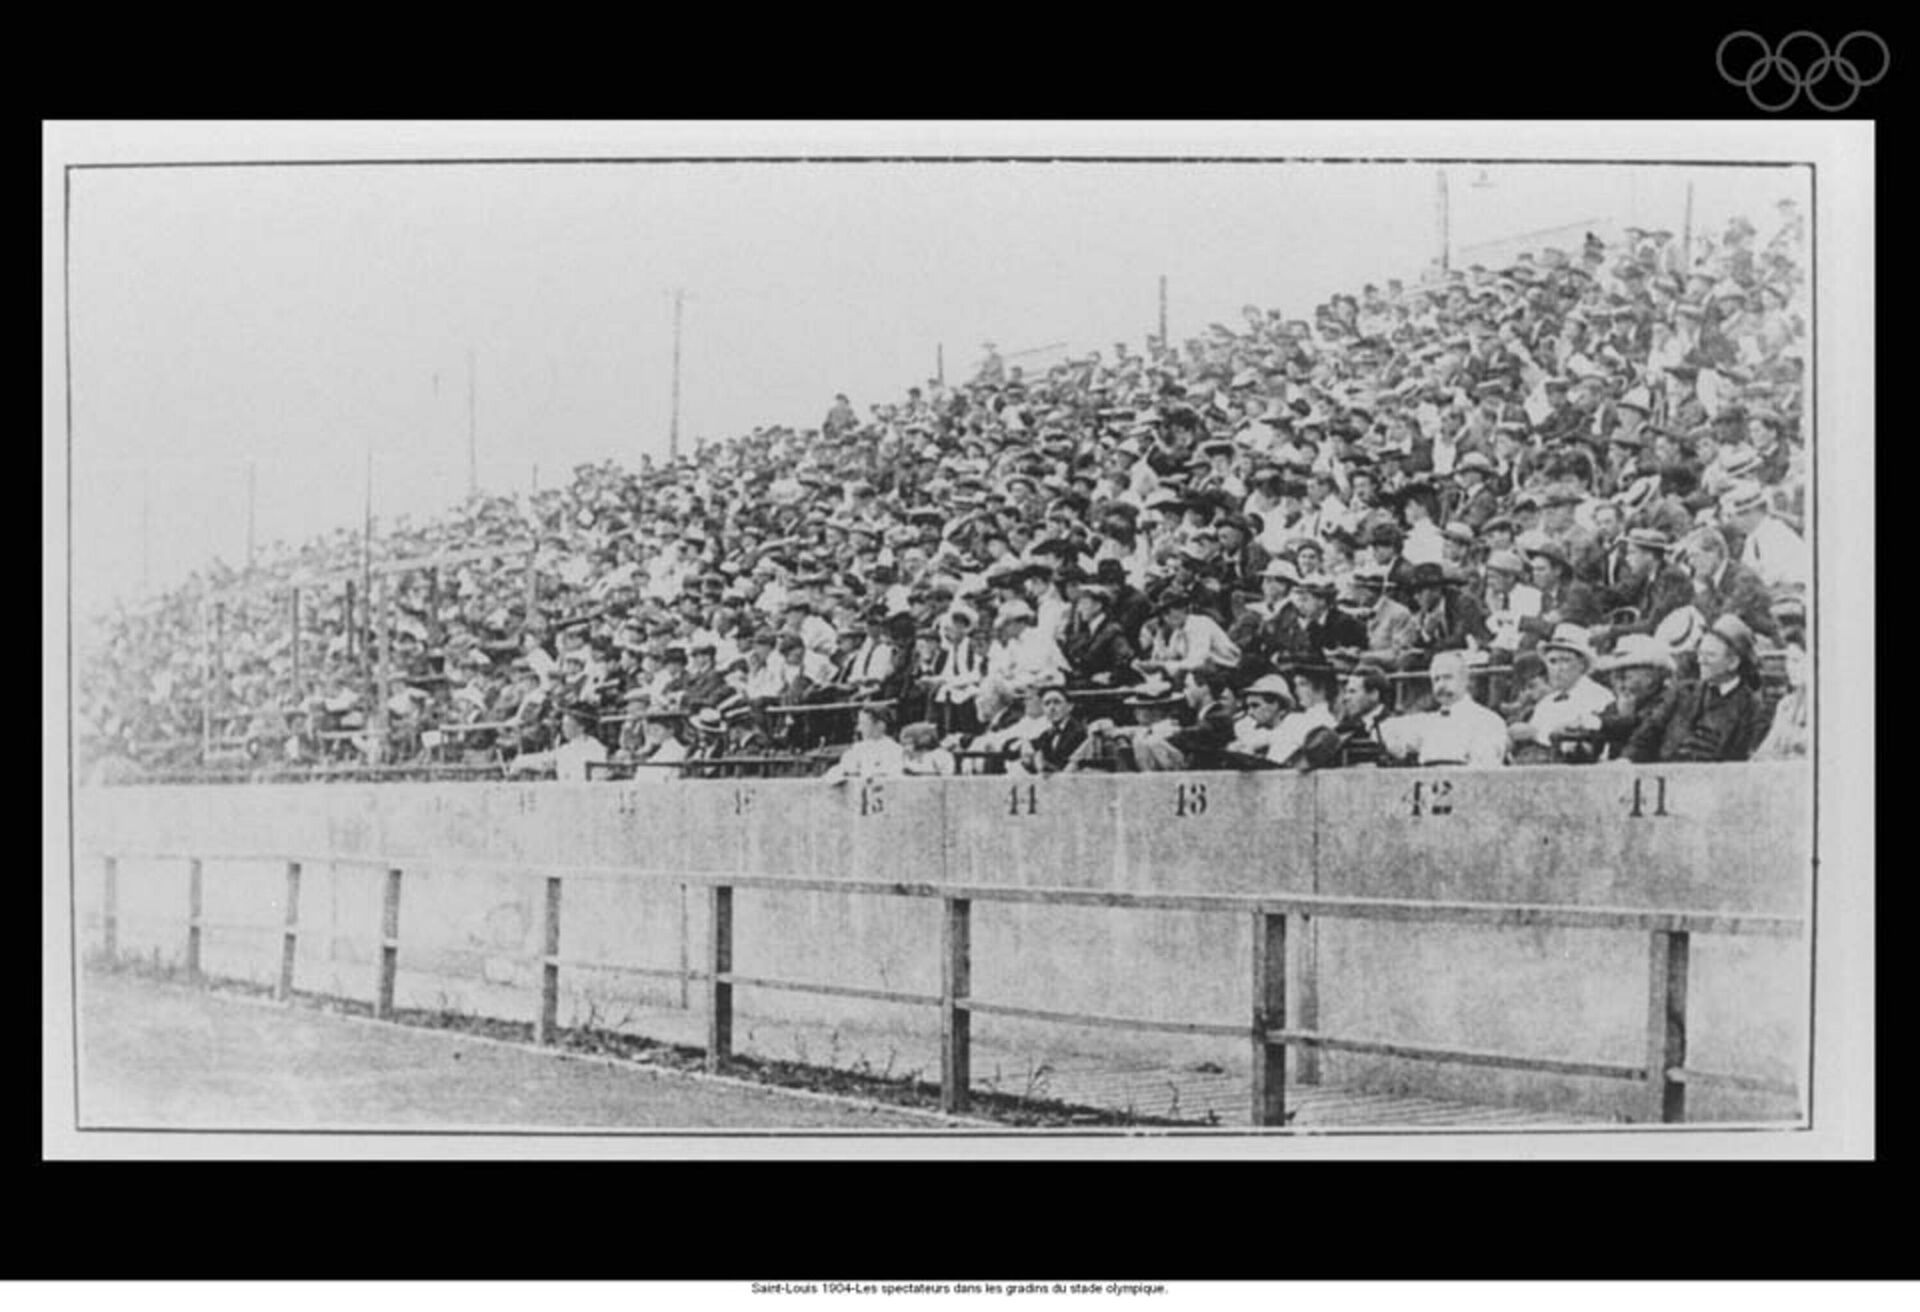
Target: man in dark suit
{"x":706,"y":684}
{"x":1049,"y":752}
{"x":1310,"y":628}
{"x":1095,"y":644}
{"x":1717,"y":717}
{"x":1444,"y":617}
{"x":1477,"y":502}
{"x":1653,"y":586}
{"x":1723,"y":586}
{"x":1564,"y":599}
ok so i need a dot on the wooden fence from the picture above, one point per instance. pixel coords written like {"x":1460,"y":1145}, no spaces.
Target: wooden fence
{"x":1276,"y":1019}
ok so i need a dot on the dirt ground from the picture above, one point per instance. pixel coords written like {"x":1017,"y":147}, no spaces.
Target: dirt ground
{"x":160,"y":1056}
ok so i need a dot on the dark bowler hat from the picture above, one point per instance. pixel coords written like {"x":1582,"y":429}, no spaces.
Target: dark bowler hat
{"x":1428,"y":574}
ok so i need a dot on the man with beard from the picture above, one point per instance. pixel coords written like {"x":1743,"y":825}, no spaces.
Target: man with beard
{"x":1638,"y":671}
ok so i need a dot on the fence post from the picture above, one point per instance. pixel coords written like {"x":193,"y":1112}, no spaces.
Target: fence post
{"x":389,"y":946}
{"x":110,"y":908}
{"x":719,"y":965}
{"x":956,"y":982}
{"x":1306,"y":996}
{"x":1667,"y":1023}
{"x":194,"y":884}
{"x":290,"y":936}
{"x":549,"y":965}
{"x":686,"y":995}
{"x":1269,"y":1012}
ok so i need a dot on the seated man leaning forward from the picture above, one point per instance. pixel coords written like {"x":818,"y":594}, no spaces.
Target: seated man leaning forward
{"x":1574,"y":703}
{"x":1460,"y":732}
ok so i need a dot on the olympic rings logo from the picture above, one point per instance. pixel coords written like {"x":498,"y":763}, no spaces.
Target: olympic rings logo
{"x":1773,"y":62}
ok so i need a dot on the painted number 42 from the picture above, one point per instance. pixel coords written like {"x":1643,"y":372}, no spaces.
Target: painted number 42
{"x":1432,"y":797}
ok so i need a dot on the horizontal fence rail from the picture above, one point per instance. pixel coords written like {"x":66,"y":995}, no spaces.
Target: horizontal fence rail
{"x":1280,"y":1019}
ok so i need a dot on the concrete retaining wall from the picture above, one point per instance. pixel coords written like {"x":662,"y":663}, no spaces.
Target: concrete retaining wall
{"x":1693,"y":838}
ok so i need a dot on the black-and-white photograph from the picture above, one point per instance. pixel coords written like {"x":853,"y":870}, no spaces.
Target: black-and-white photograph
{"x":1316,"y":639}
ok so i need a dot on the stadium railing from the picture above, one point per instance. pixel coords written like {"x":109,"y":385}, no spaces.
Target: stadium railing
{"x":1277,"y":1018}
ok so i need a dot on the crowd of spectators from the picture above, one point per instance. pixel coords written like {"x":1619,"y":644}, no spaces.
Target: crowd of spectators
{"x":1547,"y":512}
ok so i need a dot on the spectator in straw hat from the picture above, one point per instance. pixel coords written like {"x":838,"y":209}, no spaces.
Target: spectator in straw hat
{"x":1717,"y":717}
{"x":1573,"y":703}
{"x":1638,"y":670}
{"x":1268,"y":699}
{"x":1318,"y":688}
{"x":1774,"y":553}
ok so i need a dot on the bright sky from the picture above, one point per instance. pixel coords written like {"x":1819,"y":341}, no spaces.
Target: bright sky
{"x":292,"y":317}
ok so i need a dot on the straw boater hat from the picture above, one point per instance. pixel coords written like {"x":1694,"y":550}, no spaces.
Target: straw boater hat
{"x":1639,"y":651}
{"x":1275,"y":686}
{"x":1573,"y":638}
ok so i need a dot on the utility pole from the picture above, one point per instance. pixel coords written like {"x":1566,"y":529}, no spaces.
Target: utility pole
{"x":673,"y":429}
{"x":1686,"y":234}
{"x":1446,"y":238}
{"x":940,"y":363}
{"x":251,"y":469}
{"x":146,"y":535}
{"x":473,"y":443}
{"x":366,"y":568}
{"x":1163,"y":311}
